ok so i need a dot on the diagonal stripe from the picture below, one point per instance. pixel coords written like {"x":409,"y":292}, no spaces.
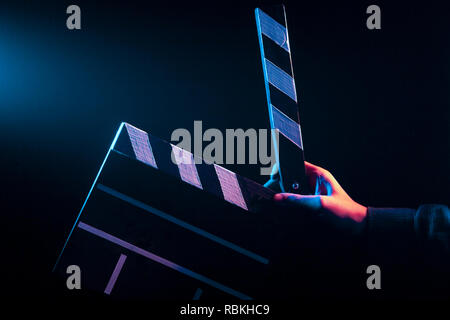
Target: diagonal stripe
{"x":182,"y":224}
{"x":230,"y":187}
{"x":115,"y":274}
{"x":161,"y":260}
{"x":281,"y":80}
{"x":273,"y":30}
{"x":186,"y":166}
{"x":288,"y":127}
{"x":197,"y":294}
{"x":141,"y":145}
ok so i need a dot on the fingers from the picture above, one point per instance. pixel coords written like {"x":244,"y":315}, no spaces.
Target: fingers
{"x":274,"y":173}
{"x":274,"y":180}
{"x":273,"y":184}
{"x":318,"y":179}
{"x":310,"y":166}
{"x":314,"y":170}
{"x":303,"y":201}
{"x":328,"y":184}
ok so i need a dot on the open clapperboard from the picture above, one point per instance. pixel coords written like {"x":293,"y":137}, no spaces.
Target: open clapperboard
{"x":157,"y":224}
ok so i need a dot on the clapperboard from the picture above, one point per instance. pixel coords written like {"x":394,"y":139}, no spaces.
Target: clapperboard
{"x":158,"y":224}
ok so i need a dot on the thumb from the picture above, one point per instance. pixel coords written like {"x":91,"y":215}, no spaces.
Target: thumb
{"x":274,"y":180}
{"x":297,"y":200}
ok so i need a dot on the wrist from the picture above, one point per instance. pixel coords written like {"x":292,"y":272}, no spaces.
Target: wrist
{"x":361,"y":213}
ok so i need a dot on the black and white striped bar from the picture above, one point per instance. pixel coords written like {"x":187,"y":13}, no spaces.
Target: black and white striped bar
{"x":281,"y":96}
{"x":282,"y":79}
{"x":181,"y":163}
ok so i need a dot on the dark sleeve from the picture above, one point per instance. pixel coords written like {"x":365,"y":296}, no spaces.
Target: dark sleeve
{"x":413,"y":240}
{"x":408,"y":229}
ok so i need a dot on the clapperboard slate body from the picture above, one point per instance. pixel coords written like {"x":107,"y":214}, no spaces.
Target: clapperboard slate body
{"x":174,"y":228}
{"x":155,"y":228}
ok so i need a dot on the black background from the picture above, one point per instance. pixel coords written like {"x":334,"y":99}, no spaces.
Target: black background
{"x":374,"y":103}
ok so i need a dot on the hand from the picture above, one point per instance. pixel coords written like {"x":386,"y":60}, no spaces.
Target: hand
{"x":322,"y":232}
{"x":329,"y":198}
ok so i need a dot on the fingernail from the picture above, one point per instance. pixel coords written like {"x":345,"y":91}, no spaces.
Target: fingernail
{"x":278,"y":197}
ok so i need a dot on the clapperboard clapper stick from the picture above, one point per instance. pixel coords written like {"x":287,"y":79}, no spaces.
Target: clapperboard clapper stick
{"x":282,"y":98}
{"x":157,"y":229}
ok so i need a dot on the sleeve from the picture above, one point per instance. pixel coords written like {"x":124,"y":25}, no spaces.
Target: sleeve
{"x":406,"y":231}
{"x":390,"y":233}
{"x":412,"y":241}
